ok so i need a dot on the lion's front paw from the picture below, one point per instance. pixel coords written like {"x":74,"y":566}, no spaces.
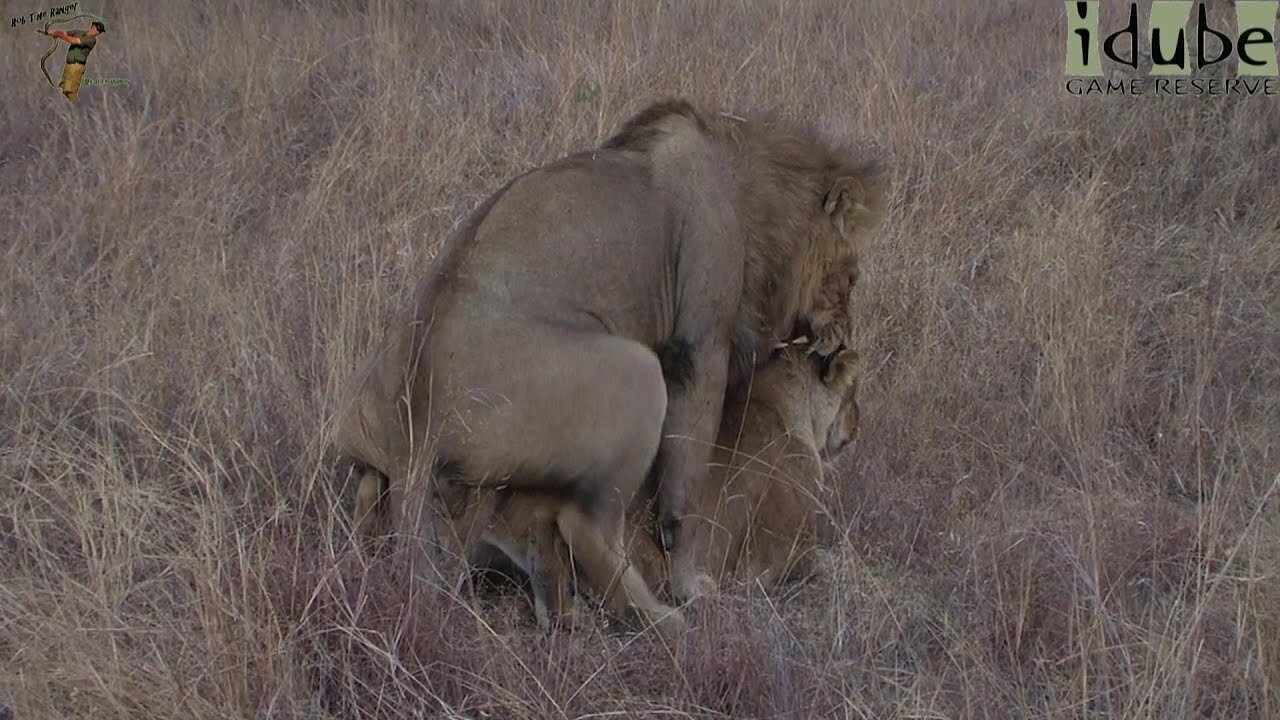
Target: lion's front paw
{"x":670,"y":624}
{"x":703,"y":585}
{"x":690,"y":586}
{"x":573,"y":616}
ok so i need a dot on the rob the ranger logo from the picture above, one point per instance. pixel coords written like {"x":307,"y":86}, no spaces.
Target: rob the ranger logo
{"x":1252,"y":42}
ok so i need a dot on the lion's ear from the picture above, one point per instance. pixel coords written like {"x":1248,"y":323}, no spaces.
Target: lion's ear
{"x":844,"y":194}
{"x":842,"y":370}
{"x":855,"y":203}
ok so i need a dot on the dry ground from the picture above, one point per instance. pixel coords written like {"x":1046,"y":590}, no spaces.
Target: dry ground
{"x":1062,"y":503}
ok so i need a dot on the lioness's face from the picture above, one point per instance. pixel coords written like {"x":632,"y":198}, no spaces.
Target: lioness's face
{"x":835,"y":403}
{"x":842,"y":429}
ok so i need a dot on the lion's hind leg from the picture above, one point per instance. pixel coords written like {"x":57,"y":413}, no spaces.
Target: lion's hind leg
{"x":610,"y":574}
{"x":525,"y":531}
{"x":574,"y":413}
{"x":550,"y":577}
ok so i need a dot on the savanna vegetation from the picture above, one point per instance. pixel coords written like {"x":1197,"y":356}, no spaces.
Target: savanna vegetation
{"x":1061,"y":503}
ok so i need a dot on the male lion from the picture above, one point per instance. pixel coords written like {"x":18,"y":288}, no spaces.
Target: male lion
{"x":756,"y":515}
{"x":530,"y":356}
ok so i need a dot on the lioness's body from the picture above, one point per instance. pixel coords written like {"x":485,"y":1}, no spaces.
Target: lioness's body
{"x":529,"y":358}
{"x":760,"y":513}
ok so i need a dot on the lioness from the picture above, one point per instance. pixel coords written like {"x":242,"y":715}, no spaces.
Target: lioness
{"x":756,"y":515}
{"x":530,"y":355}
{"x":760,"y":513}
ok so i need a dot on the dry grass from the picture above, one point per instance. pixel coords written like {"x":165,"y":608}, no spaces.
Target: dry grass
{"x":1062,"y":503}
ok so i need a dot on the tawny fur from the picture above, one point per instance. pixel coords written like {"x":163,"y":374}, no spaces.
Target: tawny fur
{"x":757,"y":515}
{"x":784,"y":173}
{"x":761,"y":512}
{"x":527,"y":356}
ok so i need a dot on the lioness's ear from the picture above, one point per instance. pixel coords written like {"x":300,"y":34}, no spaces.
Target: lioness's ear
{"x":855,"y":203}
{"x":843,"y":369}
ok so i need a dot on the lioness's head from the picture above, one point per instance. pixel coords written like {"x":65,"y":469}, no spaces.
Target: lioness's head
{"x":833,"y":400}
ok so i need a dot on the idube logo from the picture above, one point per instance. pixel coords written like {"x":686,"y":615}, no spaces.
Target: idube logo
{"x":1174,"y":51}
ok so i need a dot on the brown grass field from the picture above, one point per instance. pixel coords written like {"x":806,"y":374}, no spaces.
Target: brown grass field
{"x":1062,"y":503}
